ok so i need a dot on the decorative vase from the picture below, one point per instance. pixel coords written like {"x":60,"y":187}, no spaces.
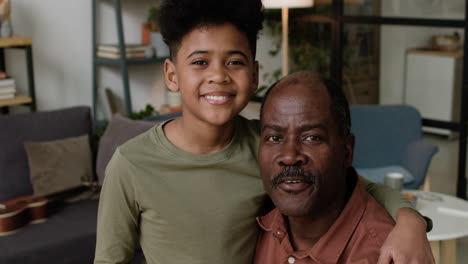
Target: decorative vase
{"x":6,"y":31}
{"x":146,"y":29}
{"x":173,"y":99}
{"x":162,"y":50}
{"x":145,"y":34}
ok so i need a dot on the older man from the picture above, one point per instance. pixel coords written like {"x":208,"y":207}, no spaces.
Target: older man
{"x":323,"y":214}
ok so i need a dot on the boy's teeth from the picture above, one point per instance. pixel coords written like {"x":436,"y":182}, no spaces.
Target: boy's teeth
{"x":214,"y":97}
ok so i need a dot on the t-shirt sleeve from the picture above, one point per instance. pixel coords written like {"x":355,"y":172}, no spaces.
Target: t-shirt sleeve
{"x":117,"y":215}
{"x":389,"y":198}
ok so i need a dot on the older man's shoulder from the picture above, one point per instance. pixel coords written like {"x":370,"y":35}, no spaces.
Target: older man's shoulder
{"x":370,"y":234}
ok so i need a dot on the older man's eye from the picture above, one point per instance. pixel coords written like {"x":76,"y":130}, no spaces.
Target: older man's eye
{"x":273,"y":138}
{"x":312,"y":138}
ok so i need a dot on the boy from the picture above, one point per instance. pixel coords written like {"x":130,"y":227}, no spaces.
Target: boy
{"x":189,"y":190}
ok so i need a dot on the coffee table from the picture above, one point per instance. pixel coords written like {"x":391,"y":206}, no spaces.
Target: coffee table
{"x":449,"y":215}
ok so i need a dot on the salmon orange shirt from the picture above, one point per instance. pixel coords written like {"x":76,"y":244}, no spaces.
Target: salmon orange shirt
{"x":355,"y":237}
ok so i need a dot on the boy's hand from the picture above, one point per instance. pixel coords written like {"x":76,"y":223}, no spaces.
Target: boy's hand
{"x":407,"y":243}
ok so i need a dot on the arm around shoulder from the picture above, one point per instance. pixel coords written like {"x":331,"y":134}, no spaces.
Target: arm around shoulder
{"x":407,"y":242}
{"x":392,"y":200}
{"x":117,"y":215}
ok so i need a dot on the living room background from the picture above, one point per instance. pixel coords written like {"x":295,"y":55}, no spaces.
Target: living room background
{"x":61,"y":33}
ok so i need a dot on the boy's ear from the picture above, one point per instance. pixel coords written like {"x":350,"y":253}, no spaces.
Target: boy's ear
{"x":255,"y":76}
{"x":170,"y":75}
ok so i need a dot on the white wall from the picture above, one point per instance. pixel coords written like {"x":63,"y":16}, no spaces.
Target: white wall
{"x":61,"y":31}
{"x":62,"y":49}
{"x":396,"y":40}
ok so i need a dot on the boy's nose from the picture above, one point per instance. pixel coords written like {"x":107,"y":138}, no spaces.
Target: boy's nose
{"x":218,"y":74}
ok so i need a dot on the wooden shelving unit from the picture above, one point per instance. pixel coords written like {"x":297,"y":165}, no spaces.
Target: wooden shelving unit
{"x":15,"y":41}
{"x":18,"y":100}
{"x":116,"y":62}
{"x":121,"y":62}
{"x":25,"y":43}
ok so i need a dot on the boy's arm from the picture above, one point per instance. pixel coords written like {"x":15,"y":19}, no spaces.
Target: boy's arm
{"x":391,"y":199}
{"x":407,"y":242}
{"x":117,"y":215}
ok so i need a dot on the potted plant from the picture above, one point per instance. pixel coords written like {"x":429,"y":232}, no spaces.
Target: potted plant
{"x":155,"y":38}
{"x":146,"y":29}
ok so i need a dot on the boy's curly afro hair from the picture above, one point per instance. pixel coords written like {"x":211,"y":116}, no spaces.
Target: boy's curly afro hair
{"x":179,"y":17}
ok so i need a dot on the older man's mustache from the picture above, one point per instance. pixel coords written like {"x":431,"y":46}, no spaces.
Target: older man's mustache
{"x":293,"y":173}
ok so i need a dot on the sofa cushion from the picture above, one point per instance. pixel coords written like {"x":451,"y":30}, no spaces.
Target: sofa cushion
{"x":59,"y":165}
{"x":119,"y":130}
{"x":38,"y":126}
{"x":68,"y":236}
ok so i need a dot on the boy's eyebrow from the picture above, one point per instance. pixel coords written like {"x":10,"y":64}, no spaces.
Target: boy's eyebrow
{"x":197,"y":52}
{"x":231,"y":52}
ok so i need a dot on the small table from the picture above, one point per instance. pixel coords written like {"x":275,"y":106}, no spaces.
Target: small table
{"x":449,"y":215}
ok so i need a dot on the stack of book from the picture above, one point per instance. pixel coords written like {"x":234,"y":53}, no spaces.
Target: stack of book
{"x":112,"y":51}
{"x":7,"y":88}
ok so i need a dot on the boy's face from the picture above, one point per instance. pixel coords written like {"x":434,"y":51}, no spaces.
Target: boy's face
{"x":215,"y":72}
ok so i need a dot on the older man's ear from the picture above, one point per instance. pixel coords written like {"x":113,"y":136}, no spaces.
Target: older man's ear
{"x":349,"y":145}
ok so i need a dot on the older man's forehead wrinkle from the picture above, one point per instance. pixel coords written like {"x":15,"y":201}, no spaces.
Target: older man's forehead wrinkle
{"x":273,"y":127}
{"x":310,"y":126}
{"x":283,"y":122}
{"x":287,"y":108}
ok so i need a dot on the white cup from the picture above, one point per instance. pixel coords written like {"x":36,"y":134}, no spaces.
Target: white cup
{"x":394,"y":180}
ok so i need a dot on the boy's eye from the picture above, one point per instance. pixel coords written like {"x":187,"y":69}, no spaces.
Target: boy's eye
{"x":236,"y":62}
{"x":199,"y":62}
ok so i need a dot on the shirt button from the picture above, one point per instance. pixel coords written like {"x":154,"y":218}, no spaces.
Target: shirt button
{"x":278,"y":233}
{"x":291,"y":260}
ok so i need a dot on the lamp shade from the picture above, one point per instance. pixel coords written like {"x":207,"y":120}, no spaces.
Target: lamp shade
{"x":287,"y":3}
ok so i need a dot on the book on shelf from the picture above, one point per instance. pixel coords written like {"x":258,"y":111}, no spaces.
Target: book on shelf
{"x":8,"y":82}
{"x":114,"y":48}
{"x":7,"y":96}
{"x":7,"y":90}
{"x":110,"y":55}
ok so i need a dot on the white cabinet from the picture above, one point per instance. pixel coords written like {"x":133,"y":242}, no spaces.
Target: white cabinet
{"x":433,"y":84}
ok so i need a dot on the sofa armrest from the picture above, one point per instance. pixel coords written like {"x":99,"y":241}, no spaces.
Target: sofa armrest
{"x":417,"y":159}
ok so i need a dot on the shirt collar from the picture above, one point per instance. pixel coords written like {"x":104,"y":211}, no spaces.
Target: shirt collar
{"x":274,"y":222}
{"x":332,"y":244}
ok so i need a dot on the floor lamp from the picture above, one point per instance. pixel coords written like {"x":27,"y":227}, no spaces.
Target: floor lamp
{"x":285,"y":5}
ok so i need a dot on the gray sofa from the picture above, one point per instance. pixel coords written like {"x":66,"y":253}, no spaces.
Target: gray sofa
{"x":69,"y":234}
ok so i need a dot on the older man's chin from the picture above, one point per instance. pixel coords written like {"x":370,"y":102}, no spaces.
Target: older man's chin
{"x":295,"y":204}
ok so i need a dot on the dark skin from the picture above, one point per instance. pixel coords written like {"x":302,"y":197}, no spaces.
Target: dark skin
{"x":300,"y":129}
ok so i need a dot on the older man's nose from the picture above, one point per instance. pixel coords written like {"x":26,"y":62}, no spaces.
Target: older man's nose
{"x":291,"y":155}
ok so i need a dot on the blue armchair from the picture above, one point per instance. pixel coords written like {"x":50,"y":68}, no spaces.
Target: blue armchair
{"x":389,"y":139}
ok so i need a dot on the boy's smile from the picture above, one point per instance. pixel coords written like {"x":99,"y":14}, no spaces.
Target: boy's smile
{"x":215,"y":72}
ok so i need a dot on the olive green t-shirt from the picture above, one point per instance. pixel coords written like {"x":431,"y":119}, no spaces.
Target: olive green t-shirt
{"x":187,"y":208}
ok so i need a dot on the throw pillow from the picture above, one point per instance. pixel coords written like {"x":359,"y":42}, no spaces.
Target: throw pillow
{"x":33,"y":126}
{"x":119,"y":130}
{"x":59,"y":164}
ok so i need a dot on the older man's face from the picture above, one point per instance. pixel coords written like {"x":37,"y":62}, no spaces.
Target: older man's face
{"x":303,"y":158}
